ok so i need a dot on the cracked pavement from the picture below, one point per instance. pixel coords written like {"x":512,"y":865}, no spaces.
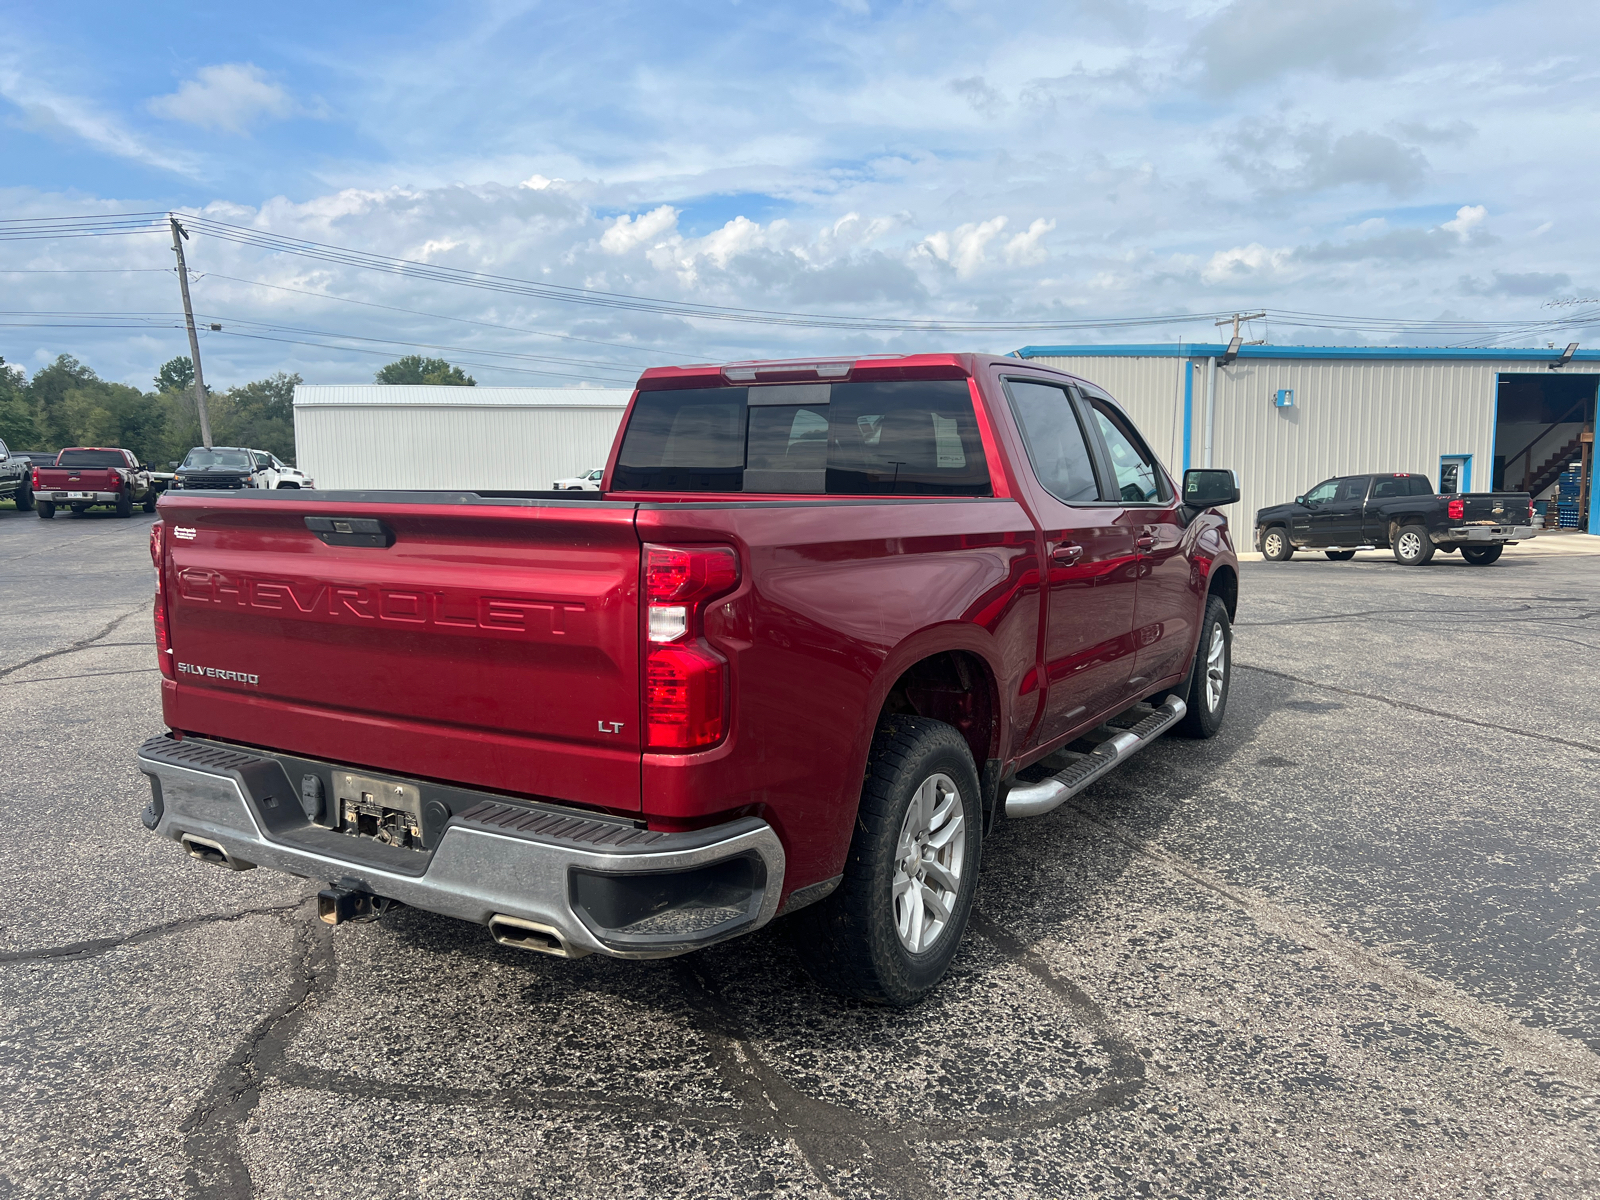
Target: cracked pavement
{"x":1345,"y":949}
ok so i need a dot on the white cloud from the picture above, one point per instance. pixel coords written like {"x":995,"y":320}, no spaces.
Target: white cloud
{"x":1244,"y":261}
{"x":1025,"y":249}
{"x":50,"y":112}
{"x":964,"y":248}
{"x":1467,"y":218}
{"x":1251,"y":42}
{"x":627,"y":232}
{"x":229,"y":96}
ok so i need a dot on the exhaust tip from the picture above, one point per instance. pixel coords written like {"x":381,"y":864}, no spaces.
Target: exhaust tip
{"x":531,"y":935}
{"x":213,"y":852}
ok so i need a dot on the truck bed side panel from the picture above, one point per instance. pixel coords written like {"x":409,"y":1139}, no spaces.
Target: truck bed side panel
{"x":838,"y":598}
{"x":492,"y":645}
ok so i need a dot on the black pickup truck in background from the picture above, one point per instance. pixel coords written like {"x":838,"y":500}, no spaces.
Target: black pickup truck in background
{"x":1398,"y":512}
{"x":16,"y":479}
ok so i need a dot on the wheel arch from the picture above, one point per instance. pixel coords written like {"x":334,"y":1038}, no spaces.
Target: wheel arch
{"x":1224,"y":584}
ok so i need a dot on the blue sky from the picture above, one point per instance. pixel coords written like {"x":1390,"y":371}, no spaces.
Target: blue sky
{"x":1380,"y":158}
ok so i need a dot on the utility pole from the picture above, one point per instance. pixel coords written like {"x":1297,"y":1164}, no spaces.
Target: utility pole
{"x":1228,"y":356}
{"x":194,"y":338}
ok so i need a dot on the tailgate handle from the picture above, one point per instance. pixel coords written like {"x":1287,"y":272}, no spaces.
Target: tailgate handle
{"x":352,"y":531}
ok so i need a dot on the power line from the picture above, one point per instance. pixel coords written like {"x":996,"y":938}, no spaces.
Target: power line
{"x":261,"y":337}
{"x":443,"y":317}
{"x":112,"y":224}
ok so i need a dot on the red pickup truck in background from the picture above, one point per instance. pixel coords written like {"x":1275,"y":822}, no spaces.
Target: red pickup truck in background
{"x":791,"y":659}
{"x":84,"y":476}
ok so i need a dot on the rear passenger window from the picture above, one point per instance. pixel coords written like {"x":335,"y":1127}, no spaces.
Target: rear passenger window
{"x":1386,"y":489}
{"x":1056,"y":446}
{"x":902,"y":437}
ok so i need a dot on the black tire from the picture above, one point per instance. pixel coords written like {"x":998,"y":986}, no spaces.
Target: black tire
{"x":150,"y":499}
{"x":125,"y":503}
{"x":1412,"y":546}
{"x":1207,"y":705}
{"x":1340,"y":555}
{"x":46,"y":509}
{"x":79,"y":509}
{"x":1481,"y":556}
{"x":287,"y":487}
{"x":851,"y":942}
{"x":1276,"y":546}
{"x":25,"y":497}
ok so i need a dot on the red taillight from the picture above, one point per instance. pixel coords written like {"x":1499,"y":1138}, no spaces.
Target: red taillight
{"x":163,"y":636}
{"x":685,"y":694}
{"x":1458,"y":509}
{"x":36,"y":479}
{"x":685,"y":680}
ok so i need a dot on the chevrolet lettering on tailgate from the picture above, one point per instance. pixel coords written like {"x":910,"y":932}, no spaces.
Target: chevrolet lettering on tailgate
{"x":445,"y":608}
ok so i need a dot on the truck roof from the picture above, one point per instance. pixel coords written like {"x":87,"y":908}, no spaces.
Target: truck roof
{"x":833,"y":367}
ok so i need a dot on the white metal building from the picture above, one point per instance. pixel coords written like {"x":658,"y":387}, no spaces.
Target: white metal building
{"x":425,"y":437}
{"x":1288,"y":417}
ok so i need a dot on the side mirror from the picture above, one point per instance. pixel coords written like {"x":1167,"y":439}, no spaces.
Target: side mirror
{"x":1203,"y":488}
{"x":1300,"y":500}
{"x":174,"y":465}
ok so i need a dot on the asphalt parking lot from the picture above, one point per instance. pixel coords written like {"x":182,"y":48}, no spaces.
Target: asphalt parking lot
{"x":1346,"y":949}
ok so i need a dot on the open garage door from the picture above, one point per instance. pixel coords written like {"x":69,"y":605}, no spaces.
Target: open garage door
{"x":1544,"y":442}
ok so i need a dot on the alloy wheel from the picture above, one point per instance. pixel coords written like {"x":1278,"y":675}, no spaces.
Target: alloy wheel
{"x":1216,"y":667}
{"x":929,"y":855}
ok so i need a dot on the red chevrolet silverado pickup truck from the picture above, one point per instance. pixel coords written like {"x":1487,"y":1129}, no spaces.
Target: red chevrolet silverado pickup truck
{"x":84,"y":476}
{"x":790,"y":660}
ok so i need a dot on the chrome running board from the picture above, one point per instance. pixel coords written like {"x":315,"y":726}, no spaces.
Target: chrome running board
{"x":1036,"y":799}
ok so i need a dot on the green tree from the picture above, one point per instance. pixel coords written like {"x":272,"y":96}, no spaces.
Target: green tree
{"x":176,"y":375}
{"x":413,"y":368}
{"x":261,"y":414}
{"x":47,"y":392}
{"x":17,"y":428}
{"x":113,"y":414}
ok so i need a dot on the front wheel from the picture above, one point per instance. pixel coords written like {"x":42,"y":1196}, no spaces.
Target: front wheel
{"x":46,"y":509}
{"x":889,"y":931}
{"x":1340,"y":555}
{"x":1481,"y":556}
{"x":1276,"y":546}
{"x":1211,"y":675}
{"x":1412,"y":546}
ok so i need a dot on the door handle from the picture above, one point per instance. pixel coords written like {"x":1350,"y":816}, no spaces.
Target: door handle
{"x":1145,"y":541}
{"x":1066,"y":553}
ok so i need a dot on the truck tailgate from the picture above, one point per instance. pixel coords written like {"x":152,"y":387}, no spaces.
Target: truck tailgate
{"x":492,"y":643}
{"x":1494,"y":508}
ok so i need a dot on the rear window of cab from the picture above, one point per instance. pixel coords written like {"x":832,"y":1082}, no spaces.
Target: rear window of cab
{"x":893,"y":438}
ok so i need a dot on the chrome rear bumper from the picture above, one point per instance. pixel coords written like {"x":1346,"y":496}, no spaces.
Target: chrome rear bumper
{"x":604,"y":885}
{"x":1483,"y":533}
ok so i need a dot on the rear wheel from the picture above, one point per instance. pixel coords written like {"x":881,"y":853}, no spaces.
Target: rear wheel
{"x":1412,"y":546}
{"x":150,"y":499}
{"x":125,"y":503}
{"x":46,"y":509}
{"x":1340,"y":555}
{"x":888,"y":932}
{"x":1276,"y":546}
{"x":25,"y":497}
{"x":1207,"y":697}
{"x":1481,"y":556}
